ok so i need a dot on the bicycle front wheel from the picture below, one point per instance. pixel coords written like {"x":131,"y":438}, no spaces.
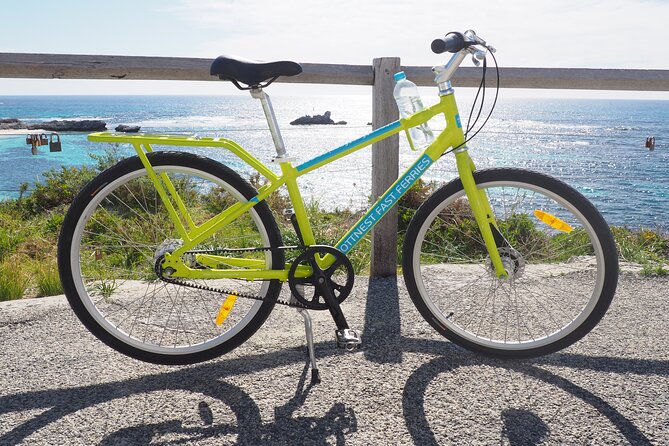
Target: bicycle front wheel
{"x":117,"y":229}
{"x":559,"y":254}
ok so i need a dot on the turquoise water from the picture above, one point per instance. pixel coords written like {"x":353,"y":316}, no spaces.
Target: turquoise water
{"x":595,"y":145}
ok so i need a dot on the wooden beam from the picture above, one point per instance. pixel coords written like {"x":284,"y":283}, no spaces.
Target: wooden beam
{"x":78,"y":66}
{"x":557,"y":78}
{"x":75,"y":66}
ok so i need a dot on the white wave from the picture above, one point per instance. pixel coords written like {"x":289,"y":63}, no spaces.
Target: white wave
{"x":539,"y":126}
{"x":203,"y":122}
{"x":68,"y":118}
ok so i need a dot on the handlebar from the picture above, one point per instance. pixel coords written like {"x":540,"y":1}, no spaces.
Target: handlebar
{"x":461,"y":44}
{"x":455,"y":41}
{"x":452,"y":42}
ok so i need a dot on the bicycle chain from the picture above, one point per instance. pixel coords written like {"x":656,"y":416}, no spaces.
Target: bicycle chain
{"x":222,"y":290}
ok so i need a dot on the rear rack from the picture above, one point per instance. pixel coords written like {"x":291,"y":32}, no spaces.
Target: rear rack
{"x":161,"y":139}
{"x":143,"y":142}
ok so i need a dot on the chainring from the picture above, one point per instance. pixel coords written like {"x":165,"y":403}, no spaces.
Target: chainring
{"x":339,"y":277}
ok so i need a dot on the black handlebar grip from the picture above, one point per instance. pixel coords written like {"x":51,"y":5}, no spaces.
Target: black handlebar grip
{"x":453,"y":42}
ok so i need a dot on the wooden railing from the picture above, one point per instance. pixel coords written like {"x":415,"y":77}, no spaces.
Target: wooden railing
{"x":385,"y":154}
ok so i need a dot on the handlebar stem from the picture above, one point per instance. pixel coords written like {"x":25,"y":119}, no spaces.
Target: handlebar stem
{"x":443,"y":73}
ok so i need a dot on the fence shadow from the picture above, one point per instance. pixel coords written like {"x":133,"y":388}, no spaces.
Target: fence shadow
{"x":382,"y":321}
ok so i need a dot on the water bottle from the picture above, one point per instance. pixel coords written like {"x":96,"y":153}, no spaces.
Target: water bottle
{"x":408,"y":103}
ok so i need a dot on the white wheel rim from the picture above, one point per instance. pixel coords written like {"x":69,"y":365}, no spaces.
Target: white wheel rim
{"x":498,"y":343}
{"x":122,"y":335}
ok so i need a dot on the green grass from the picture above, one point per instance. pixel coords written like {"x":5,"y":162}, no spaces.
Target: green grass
{"x":29,"y":229}
{"x":106,"y":288}
{"x":13,"y":281}
{"x":648,"y":248}
{"x":48,"y":281}
{"x":655,"y":269}
{"x":9,"y":241}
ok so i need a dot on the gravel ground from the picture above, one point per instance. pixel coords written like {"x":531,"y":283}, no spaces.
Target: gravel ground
{"x":407,"y":385}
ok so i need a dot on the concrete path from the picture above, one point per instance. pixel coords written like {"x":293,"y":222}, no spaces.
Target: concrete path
{"x":59,"y":385}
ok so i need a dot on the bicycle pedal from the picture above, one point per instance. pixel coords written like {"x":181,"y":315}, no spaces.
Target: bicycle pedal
{"x":348,"y":339}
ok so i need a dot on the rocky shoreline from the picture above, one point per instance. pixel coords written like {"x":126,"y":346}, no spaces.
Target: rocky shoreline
{"x":85,"y":125}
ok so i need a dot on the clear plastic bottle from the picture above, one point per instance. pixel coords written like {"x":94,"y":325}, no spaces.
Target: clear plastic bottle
{"x":408,"y":102}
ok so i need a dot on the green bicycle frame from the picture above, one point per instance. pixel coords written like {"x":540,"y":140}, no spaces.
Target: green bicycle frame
{"x":255,"y":269}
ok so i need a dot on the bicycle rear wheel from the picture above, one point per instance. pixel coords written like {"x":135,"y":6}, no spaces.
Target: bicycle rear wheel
{"x":561,"y":259}
{"x":113,"y":234}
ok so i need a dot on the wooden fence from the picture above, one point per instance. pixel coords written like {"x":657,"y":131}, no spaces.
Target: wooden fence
{"x":385,"y":154}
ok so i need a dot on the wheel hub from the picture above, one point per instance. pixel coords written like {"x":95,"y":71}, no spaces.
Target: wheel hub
{"x":168,"y":246}
{"x":513,"y":262}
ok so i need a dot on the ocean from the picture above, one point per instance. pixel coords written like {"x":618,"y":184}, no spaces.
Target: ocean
{"x":597,"y":146}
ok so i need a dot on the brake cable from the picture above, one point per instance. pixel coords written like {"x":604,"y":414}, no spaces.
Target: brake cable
{"x":480,"y":91}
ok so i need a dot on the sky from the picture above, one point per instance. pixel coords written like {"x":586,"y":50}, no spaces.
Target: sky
{"x":526,"y":33}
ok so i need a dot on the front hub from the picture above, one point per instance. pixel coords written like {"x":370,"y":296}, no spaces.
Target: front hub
{"x":513,"y":263}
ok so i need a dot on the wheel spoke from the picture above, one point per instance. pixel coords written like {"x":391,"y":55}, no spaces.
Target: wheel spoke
{"x":116,"y":236}
{"x":554,"y":277}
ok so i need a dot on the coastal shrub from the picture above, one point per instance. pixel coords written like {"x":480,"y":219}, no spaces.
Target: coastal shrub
{"x":35,"y":247}
{"x":9,"y":241}
{"x":409,"y":203}
{"x":57,"y":189}
{"x":521,"y":232}
{"x":278,"y":202}
{"x":645,"y":247}
{"x":110,"y":156}
{"x":217,"y":199}
{"x":53,"y":222}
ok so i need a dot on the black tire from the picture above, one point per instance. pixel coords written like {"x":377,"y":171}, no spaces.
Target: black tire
{"x":551,"y":275}
{"x":116,"y":276}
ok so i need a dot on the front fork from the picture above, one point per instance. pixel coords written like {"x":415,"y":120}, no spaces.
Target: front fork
{"x":485,"y":219}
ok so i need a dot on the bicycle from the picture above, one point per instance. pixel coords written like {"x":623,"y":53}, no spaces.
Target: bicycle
{"x":174,"y":258}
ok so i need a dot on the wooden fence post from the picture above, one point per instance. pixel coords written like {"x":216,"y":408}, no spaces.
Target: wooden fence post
{"x":385,"y":166}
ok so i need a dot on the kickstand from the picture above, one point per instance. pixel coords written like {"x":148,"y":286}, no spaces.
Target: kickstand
{"x":308,"y":328}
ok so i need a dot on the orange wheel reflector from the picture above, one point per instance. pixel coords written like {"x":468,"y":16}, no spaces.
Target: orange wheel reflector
{"x":553,"y":221}
{"x":226,"y":308}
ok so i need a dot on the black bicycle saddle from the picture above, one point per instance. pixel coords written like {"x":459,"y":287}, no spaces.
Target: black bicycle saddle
{"x":252,"y":73}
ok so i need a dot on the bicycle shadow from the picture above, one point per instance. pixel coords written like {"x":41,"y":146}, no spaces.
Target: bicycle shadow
{"x":209,"y":380}
{"x":285,"y":429}
{"x":524,"y":426}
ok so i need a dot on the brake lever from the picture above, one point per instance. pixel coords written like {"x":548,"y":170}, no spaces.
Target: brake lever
{"x":472,"y":37}
{"x":478,"y":56}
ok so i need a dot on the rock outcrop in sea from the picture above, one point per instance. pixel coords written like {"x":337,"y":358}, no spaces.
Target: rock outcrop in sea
{"x":317,"y":120}
{"x":127,"y":128}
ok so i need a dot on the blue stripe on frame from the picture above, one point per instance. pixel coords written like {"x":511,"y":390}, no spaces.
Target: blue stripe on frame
{"x":345,"y":147}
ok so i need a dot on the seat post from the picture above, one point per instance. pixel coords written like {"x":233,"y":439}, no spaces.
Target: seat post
{"x":258,"y":93}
